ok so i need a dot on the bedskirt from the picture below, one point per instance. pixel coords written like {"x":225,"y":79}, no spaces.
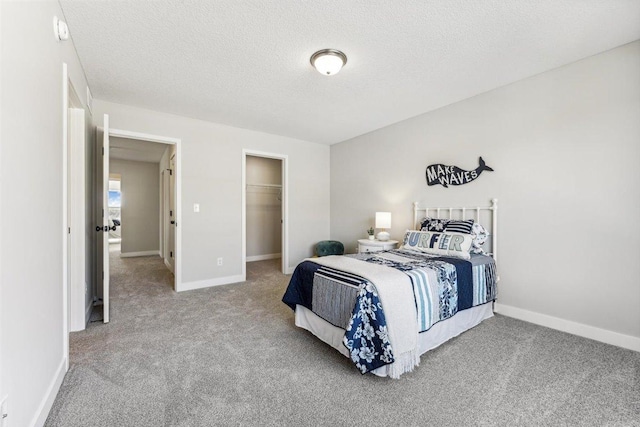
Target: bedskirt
{"x":439,"y":333}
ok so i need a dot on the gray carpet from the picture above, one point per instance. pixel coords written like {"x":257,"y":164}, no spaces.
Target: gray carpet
{"x":231,"y":355}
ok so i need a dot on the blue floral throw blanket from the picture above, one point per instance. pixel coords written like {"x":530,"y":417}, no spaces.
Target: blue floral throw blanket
{"x":441,"y":287}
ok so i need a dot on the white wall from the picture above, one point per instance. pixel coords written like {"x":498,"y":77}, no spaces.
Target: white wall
{"x":264,"y":208}
{"x":212,"y":176}
{"x":140,"y":187}
{"x":565,"y":146}
{"x":31,"y":183}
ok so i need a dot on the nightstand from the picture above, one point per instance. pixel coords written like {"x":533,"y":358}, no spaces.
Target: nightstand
{"x":367,"y":246}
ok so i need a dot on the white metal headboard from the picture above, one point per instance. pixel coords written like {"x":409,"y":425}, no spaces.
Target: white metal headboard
{"x":464,"y":213}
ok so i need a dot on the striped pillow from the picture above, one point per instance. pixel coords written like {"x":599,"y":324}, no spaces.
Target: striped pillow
{"x":459,"y":226}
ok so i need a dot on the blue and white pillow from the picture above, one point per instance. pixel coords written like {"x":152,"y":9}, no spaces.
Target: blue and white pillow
{"x":480,"y":236}
{"x":451,"y":225}
{"x":433,"y":224}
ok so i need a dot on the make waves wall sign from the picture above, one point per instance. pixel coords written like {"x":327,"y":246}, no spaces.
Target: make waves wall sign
{"x":453,"y":175}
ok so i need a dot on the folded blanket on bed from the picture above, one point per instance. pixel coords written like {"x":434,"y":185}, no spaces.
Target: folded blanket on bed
{"x":396,"y":293}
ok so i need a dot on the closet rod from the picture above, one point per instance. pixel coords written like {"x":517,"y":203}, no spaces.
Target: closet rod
{"x":264,"y":186}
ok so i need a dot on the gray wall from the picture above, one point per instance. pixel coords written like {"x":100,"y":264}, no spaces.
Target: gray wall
{"x":565,"y":146}
{"x":212,"y":176}
{"x":140,"y":187}
{"x":264,"y":210}
{"x":31,"y":186}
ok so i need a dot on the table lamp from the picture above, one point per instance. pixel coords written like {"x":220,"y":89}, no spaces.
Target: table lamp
{"x":383,"y":221}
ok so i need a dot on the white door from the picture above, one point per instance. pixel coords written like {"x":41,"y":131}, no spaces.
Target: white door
{"x":172,"y":213}
{"x":102,"y":217}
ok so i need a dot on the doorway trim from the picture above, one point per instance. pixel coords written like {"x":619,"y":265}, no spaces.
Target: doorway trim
{"x":285,"y":207}
{"x":119,"y":133}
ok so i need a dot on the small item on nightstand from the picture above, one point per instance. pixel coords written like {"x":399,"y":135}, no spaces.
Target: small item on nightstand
{"x":370,"y":232}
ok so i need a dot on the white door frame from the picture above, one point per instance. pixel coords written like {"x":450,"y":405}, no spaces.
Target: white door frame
{"x":73,"y":205}
{"x":285,"y":207}
{"x":178,"y":180}
{"x":78,"y":286}
{"x":65,"y":201}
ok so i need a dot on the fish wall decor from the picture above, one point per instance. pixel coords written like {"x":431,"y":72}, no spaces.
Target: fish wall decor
{"x":453,"y":175}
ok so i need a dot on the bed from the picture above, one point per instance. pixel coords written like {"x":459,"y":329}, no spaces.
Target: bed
{"x":383,"y":310}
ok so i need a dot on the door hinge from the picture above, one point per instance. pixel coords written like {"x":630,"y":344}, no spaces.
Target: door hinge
{"x":69,"y":230}
{"x":103,"y":151}
{"x":102,"y":274}
{"x":170,"y":254}
{"x":170,"y":213}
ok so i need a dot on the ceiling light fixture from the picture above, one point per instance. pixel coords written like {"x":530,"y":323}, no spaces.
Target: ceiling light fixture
{"x":328,"y":61}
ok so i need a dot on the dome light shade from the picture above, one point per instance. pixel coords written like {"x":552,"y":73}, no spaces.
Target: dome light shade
{"x":328,"y":61}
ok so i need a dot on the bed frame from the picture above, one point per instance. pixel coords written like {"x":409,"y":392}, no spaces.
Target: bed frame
{"x":465,"y":213}
{"x":440,"y":332}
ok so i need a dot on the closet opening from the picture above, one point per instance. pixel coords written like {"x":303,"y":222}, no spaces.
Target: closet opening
{"x":264,"y":209}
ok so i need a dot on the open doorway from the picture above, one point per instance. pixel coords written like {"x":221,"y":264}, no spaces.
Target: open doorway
{"x":135,"y":197}
{"x":134,"y":207}
{"x":264,"y":208}
{"x":115,"y":208}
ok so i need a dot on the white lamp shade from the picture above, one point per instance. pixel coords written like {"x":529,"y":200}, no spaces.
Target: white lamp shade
{"x":383,"y":219}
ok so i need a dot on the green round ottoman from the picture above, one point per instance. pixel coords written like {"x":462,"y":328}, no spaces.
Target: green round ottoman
{"x":329,"y":247}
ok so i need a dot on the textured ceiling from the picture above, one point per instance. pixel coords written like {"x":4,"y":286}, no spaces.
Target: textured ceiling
{"x":136,"y":150}
{"x":246,"y":63}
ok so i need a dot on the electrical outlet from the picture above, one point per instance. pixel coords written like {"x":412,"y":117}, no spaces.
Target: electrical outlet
{"x":196,"y":207}
{"x":219,"y":262}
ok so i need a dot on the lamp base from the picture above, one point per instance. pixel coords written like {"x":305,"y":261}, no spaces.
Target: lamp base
{"x":383,"y":236}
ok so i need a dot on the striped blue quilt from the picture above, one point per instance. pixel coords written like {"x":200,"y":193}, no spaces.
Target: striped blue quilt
{"x":442,"y":286}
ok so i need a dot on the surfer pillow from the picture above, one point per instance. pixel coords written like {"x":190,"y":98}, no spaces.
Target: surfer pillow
{"x":469,"y":226}
{"x":455,"y":245}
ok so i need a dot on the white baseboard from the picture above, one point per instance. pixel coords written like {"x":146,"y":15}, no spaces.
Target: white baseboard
{"x":168,"y":264}
{"x":189,"y":286}
{"x":135,"y":254}
{"x":263,"y":257}
{"x":50,"y":396}
{"x":580,"y":329}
